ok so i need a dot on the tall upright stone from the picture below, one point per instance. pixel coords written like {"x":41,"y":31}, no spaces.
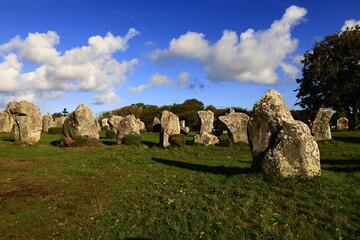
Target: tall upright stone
{"x":207,"y":121}
{"x":47,"y":122}
{"x":342,"y":123}
{"x":28,"y":121}
{"x":279,"y":144}
{"x":81,"y":123}
{"x":169,"y":125}
{"x":156,"y":125}
{"x":321,"y":126}
{"x":59,"y":121}
{"x":6,"y":122}
{"x":124,"y":126}
{"x":236,"y":125}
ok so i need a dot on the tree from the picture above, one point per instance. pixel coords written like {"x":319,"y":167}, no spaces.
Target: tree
{"x":331,"y":75}
{"x":65,"y":112}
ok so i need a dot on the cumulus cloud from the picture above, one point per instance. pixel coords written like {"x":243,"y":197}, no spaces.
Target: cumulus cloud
{"x":87,"y":68}
{"x":183,"y":80}
{"x":156,"y":79}
{"x":253,"y":56}
{"x":350,"y":23}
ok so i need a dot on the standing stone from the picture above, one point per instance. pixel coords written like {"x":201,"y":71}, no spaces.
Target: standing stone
{"x":124,"y":126}
{"x":81,"y":123}
{"x":6,"y":122}
{"x":142,"y":125}
{"x":206,"y":139}
{"x":342,"y":123}
{"x":279,"y":144}
{"x":156,"y":125}
{"x":169,"y":125}
{"x":207,"y":121}
{"x":321,"y":126}
{"x":28,"y":121}
{"x":182,"y":123}
{"x":47,"y":122}
{"x":59,"y":121}
{"x":104,"y":123}
{"x":236,"y":124}
{"x":184,"y":129}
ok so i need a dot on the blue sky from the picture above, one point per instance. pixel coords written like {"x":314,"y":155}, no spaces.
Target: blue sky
{"x":109,"y":54}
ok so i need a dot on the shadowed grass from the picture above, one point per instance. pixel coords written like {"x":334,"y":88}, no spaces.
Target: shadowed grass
{"x":148,"y":192}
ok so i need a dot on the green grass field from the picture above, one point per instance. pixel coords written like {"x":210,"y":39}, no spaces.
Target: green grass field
{"x":195,"y":192}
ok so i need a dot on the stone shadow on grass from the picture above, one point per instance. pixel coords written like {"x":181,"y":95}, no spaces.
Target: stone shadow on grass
{"x":347,"y":139}
{"x":150,"y":144}
{"x":348,"y":166}
{"x":227,"y":171}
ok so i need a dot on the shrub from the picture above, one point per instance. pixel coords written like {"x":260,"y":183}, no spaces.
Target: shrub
{"x":55,"y":131}
{"x":105,"y":128}
{"x":79,"y":141}
{"x":110,"y":134}
{"x":132,"y":139}
{"x":177,"y":140}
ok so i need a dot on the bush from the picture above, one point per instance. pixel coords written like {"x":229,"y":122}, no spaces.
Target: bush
{"x":55,"y":131}
{"x":79,"y":141}
{"x":110,"y":134}
{"x":132,"y":139}
{"x":177,"y":140}
{"x":105,"y":128}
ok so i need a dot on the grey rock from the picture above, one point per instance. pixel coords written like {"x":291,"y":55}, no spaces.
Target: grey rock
{"x":321,"y":126}
{"x":81,"y":123}
{"x":206,"y":139}
{"x":59,"y":121}
{"x":28,"y":121}
{"x":236,"y":124}
{"x":124,"y":126}
{"x":279,"y":144}
{"x":342,"y":123}
{"x":47,"y":122}
{"x":104,"y":123}
{"x":207,"y":121}
{"x":6,"y":122}
{"x":169,"y":125}
{"x":156,"y":125}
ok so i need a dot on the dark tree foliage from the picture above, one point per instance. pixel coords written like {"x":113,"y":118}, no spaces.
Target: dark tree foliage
{"x":331,"y":75}
{"x":65,"y":112}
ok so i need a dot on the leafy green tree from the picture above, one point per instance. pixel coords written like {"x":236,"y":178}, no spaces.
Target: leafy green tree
{"x":331,"y":74}
{"x":65,"y":112}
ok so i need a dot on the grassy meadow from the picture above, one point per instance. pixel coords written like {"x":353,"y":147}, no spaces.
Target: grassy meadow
{"x":194,"y":192}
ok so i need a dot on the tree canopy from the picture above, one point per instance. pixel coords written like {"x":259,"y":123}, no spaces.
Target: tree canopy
{"x":331,"y":74}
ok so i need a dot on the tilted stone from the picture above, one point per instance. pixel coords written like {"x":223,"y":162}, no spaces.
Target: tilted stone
{"x":279,"y":144}
{"x":206,"y":139}
{"x":207,"y":121}
{"x":28,"y":121}
{"x":6,"y":122}
{"x":342,"y":123}
{"x":321,"y":126}
{"x":81,"y":123}
{"x":104,"y":123}
{"x":236,"y":124}
{"x":169,"y":125}
{"x":47,"y":122}
{"x":124,"y":126}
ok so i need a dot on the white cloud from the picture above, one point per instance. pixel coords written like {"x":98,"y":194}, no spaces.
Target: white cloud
{"x":53,"y":95}
{"x":251,"y":57}
{"x":86,"y":68}
{"x":183,"y":80}
{"x":149,"y":43}
{"x":156,"y":79}
{"x":350,"y":23}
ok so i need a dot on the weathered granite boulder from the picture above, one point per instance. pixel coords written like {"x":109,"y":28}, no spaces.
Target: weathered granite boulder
{"x":124,"y":126}
{"x":321,"y":126}
{"x":169,"y":125}
{"x":6,"y":122}
{"x":142,"y":125}
{"x":81,"y":123}
{"x":182,"y":123}
{"x":279,"y":144}
{"x":28,"y":121}
{"x":342,"y":123}
{"x":236,"y":124}
{"x":47,"y":122}
{"x":206,"y":139}
{"x":184,"y":129}
{"x":294,"y":153}
{"x":156,"y":125}
{"x":59,"y":121}
{"x":207,"y":121}
{"x":104,"y":123}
